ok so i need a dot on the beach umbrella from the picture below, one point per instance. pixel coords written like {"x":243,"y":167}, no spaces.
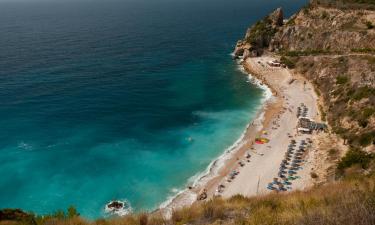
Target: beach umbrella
{"x":271,"y":188}
{"x":287,"y":183}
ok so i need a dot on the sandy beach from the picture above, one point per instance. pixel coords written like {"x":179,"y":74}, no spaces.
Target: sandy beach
{"x":277,"y":122}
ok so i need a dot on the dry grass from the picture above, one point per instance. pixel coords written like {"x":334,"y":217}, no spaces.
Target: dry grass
{"x":347,"y":202}
{"x":350,"y":201}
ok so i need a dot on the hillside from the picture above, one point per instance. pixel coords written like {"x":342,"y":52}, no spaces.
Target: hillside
{"x":333,"y":45}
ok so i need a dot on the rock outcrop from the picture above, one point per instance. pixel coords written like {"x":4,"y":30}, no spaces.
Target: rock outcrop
{"x":259,"y":35}
{"x":277,"y":17}
{"x":321,"y":28}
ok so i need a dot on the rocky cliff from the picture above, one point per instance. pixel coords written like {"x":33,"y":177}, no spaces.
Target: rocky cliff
{"x":259,"y":35}
{"x":332,"y":43}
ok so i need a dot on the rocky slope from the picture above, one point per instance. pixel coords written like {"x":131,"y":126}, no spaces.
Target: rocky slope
{"x":332,"y":43}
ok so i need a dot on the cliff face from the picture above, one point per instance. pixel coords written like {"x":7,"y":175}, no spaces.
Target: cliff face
{"x":328,"y":29}
{"x":332,"y":43}
{"x":314,"y":28}
{"x":259,"y":35}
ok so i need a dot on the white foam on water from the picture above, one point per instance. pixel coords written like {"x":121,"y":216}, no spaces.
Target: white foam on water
{"x":214,"y":167}
{"x":25,"y":146}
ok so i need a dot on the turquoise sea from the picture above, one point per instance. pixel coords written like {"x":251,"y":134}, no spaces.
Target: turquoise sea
{"x":98,"y":99}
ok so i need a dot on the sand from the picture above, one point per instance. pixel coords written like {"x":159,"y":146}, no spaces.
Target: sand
{"x":278,"y":118}
{"x":265,"y":161}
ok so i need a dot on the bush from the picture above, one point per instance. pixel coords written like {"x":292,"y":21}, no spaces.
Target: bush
{"x":367,"y":138}
{"x":314,"y":175}
{"x":305,"y":10}
{"x":333,"y":153}
{"x":363,"y":92}
{"x":307,"y":52}
{"x":369,"y":25}
{"x":288,"y":62}
{"x":368,"y":112}
{"x":363,"y":50}
{"x":355,"y":157}
{"x":261,"y":33}
{"x":363,"y":123}
{"x":325,"y":15}
{"x":342,"y":79}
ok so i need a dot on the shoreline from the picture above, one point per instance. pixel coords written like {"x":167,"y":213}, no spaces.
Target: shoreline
{"x":218,"y":168}
{"x":277,"y":121}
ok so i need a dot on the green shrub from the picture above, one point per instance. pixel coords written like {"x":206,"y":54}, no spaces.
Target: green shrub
{"x":342,"y":79}
{"x":288,"y":62}
{"x":332,"y":152}
{"x":363,"y":50}
{"x":363,"y":92}
{"x":369,"y":25}
{"x":261,"y":31}
{"x":307,"y":52}
{"x":363,"y":123}
{"x":367,"y":138}
{"x":306,"y":10}
{"x":355,"y":157}
{"x":368,"y":112}
{"x":325,"y":15}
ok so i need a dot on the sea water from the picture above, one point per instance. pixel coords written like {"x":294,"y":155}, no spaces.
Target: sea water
{"x":106,"y":100}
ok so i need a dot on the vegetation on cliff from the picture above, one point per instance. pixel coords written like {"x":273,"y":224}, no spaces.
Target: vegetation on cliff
{"x":332,"y":43}
{"x":333,"y":46}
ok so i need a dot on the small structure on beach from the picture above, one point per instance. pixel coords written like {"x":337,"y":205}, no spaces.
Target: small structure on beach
{"x":274,"y":63}
{"x":307,"y":125}
{"x":304,"y":130}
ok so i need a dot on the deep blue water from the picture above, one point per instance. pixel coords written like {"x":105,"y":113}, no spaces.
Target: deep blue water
{"x":98,"y":99}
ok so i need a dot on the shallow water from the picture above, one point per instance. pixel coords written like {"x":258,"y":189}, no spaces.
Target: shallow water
{"x":98,"y":101}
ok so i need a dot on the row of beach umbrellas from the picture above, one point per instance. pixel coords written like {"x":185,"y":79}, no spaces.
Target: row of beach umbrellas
{"x":288,"y":167}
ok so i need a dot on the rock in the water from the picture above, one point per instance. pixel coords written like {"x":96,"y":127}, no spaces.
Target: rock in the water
{"x":259,"y":36}
{"x":116,"y":205}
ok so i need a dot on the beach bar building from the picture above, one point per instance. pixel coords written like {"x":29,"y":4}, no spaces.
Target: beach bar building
{"x":307,"y":125}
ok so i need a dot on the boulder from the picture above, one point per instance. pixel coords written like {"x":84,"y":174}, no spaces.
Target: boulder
{"x":246,"y":54}
{"x":238,"y":52}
